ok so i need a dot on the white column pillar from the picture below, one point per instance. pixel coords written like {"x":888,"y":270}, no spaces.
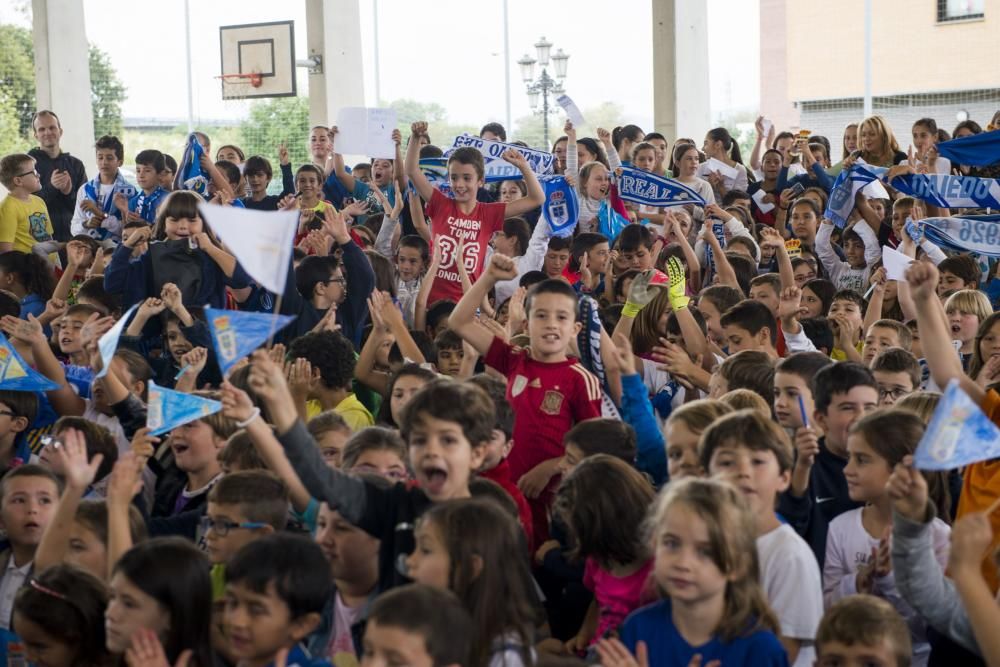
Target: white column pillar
{"x":333,"y":31}
{"x":680,"y":68}
{"x":62,"y":71}
{"x":694,"y":115}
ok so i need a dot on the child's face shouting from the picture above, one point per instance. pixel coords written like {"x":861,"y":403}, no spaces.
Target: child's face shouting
{"x":551,"y":325}
{"x":442,"y":458}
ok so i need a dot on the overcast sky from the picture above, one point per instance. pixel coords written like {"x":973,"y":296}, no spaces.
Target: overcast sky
{"x":609,"y":43}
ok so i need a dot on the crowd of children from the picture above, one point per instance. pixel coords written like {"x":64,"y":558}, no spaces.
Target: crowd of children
{"x":680,"y":435}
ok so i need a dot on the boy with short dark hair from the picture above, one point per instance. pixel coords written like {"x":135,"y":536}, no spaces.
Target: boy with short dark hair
{"x":753,"y":453}
{"x":557,"y":257}
{"x":766,"y":288}
{"x":548,"y":391}
{"x":258,"y":173}
{"x":419,"y":626}
{"x":957,"y":273}
{"x":749,"y":325}
{"x":276,"y":589}
{"x":464,"y":217}
{"x":332,"y":359}
{"x":843,"y":393}
{"x":449,"y":353}
{"x":863,"y":629}
{"x":24,"y":218}
{"x":635,"y":244}
{"x":897,"y":373}
{"x":149,"y":166}
{"x":242,"y":507}
{"x":98,"y":214}
{"x":28,"y":498}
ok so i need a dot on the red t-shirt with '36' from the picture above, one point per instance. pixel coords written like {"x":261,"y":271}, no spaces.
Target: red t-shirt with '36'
{"x":475,"y":229}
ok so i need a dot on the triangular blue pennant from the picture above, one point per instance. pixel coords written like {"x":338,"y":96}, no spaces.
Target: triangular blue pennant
{"x":108,"y":343}
{"x":960,"y":433}
{"x":236,"y":334}
{"x":16,"y":375}
{"x":169,"y":409}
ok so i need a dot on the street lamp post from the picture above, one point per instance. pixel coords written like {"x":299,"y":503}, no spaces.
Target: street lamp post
{"x":545,"y":85}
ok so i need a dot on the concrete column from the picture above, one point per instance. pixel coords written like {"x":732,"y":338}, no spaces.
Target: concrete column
{"x":62,"y":72}
{"x":774,"y":100}
{"x":333,"y":31}
{"x":681,"y":101}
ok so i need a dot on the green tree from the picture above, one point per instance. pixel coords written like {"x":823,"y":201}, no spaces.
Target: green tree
{"x":17,"y":74}
{"x":107,"y":93}
{"x":17,"y":83}
{"x":442,"y":131}
{"x":277,"y":120}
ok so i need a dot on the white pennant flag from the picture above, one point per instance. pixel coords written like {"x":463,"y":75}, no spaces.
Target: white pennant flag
{"x":261,"y":240}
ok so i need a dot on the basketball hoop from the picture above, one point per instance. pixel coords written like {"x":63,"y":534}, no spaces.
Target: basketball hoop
{"x":239,"y":85}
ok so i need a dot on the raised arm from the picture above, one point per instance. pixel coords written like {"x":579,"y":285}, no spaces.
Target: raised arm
{"x":727,"y":276}
{"x":420,"y":182}
{"x":344,"y":176}
{"x":78,"y":475}
{"x":463,"y":319}
{"x":238,"y":406}
{"x":535,"y":196}
{"x":935,"y":338}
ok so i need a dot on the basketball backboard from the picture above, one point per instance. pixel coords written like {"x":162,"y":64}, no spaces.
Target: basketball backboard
{"x":264,"y":54}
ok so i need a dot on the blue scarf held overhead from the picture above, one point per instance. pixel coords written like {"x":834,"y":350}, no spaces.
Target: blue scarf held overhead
{"x":189,"y":174}
{"x":976,"y":150}
{"x":645,"y":187}
{"x":610,"y":222}
{"x":941,"y":190}
{"x":973,"y":234}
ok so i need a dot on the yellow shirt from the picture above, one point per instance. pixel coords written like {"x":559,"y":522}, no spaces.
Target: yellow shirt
{"x":351,"y":409}
{"x":24,"y":223}
{"x":839,"y":355}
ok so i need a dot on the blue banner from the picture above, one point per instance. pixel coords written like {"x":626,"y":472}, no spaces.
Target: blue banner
{"x":539,"y":161}
{"x":644,"y":187}
{"x":236,"y":334}
{"x":976,"y":150}
{"x":168,"y":409}
{"x":849,"y":182}
{"x":17,"y":375}
{"x":978,"y":236}
{"x":436,"y":171}
{"x":959,"y":433}
{"x":943,"y":190}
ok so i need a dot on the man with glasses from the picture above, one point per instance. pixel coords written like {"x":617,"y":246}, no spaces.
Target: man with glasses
{"x":24,"y":218}
{"x":60,"y":174}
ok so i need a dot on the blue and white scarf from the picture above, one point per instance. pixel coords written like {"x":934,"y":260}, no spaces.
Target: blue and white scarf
{"x":979,"y":235}
{"x":189,"y":174}
{"x":92,"y":190}
{"x":645,"y":187}
{"x":539,"y":161}
{"x":941,"y":189}
{"x":145,"y":205}
{"x":976,"y":150}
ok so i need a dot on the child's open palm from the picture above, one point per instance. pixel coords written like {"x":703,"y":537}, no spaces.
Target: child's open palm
{"x":147,"y":651}
{"x":71,"y":455}
{"x":27,"y":331}
{"x":125,"y":480}
{"x":613,"y":653}
{"x":790,"y":303}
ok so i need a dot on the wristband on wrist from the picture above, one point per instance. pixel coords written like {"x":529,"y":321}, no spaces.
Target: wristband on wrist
{"x":253,"y":415}
{"x":631,"y":309}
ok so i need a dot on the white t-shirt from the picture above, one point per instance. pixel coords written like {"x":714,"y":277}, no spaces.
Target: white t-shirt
{"x":849,"y":546}
{"x":790,"y":578}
